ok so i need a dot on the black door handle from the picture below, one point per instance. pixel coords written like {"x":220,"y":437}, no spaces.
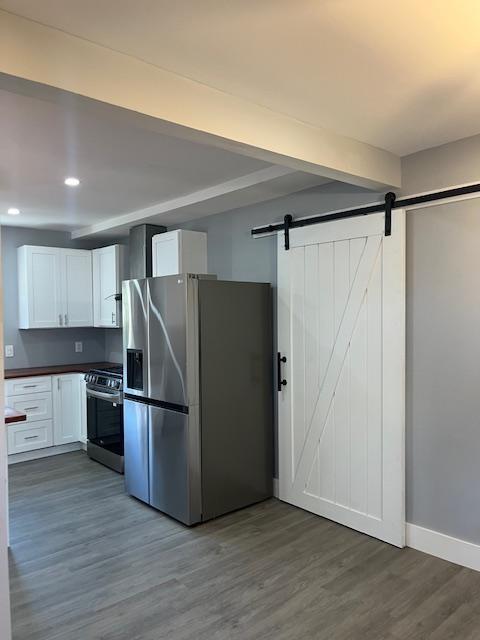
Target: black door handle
{"x":281,"y":382}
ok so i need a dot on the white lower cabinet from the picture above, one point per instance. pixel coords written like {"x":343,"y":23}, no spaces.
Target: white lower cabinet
{"x":21,"y":386}
{"x":37,"y":406}
{"x":25,"y":436}
{"x":66,"y":408}
{"x":56,"y":415}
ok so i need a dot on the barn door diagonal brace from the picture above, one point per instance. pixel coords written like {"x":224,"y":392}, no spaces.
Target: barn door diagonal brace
{"x":389,"y":202}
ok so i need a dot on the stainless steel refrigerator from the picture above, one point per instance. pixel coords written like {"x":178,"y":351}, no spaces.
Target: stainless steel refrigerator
{"x":198,"y":394}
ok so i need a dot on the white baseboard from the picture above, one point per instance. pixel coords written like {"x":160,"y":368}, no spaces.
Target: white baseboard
{"x":45,"y":453}
{"x":275,"y":487}
{"x":442,"y":546}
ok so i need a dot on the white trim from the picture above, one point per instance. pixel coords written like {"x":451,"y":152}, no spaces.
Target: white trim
{"x":45,"y":453}
{"x":442,"y":546}
{"x":275,"y":487}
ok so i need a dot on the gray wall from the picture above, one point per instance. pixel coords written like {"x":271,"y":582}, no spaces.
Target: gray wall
{"x":443,"y":345}
{"x":42,"y":347}
{"x":113,"y":345}
{"x":445,"y":166}
{"x":443,"y":369}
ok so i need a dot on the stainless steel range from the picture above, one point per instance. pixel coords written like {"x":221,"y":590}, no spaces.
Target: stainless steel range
{"x":105,"y":416}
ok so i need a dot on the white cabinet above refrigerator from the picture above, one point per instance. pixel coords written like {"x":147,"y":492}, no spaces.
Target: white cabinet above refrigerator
{"x":179,"y":251}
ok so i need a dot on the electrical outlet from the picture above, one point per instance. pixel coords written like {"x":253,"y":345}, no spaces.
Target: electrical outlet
{"x":78,"y":347}
{"x":9,"y":351}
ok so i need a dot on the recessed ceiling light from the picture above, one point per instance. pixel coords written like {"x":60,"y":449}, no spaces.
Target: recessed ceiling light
{"x":72,"y":182}
{"x":13,"y":211}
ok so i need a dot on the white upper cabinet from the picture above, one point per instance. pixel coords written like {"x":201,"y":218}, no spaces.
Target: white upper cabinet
{"x":39,"y":287}
{"x":77,"y":288}
{"x":179,"y":251}
{"x":108,"y":273}
{"x":54,"y":287}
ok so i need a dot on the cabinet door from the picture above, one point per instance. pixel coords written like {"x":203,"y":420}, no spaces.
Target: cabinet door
{"x":77,"y":288}
{"x":39,"y":287}
{"x":193,"y":252}
{"x":21,"y":386}
{"x":29,"y":436}
{"x":66,"y":409}
{"x":166,"y":254}
{"x":107,"y":282}
{"x":36,"y":406}
{"x":136,"y":449}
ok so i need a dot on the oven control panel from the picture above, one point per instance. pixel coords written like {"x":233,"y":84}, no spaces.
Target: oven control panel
{"x":99,"y":379}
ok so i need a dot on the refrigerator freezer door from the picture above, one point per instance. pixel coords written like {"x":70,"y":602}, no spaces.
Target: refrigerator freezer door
{"x":236,"y":395}
{"x":136,"y":449}
{"x":173,"y":464}
{"x":135,"y":337}
{"x":167,"y":337}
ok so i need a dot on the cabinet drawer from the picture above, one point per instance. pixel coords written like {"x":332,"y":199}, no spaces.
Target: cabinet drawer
{"x":27,"y":437}
{"x":37,"y":406}
{"x":20,"y":386}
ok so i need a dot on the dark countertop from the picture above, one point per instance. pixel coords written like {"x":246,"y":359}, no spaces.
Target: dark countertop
{"x":14,"y":416}
{"x":56,"y":370}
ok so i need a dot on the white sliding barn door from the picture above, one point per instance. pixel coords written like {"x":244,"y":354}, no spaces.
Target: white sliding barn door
{"x":341,"y":326}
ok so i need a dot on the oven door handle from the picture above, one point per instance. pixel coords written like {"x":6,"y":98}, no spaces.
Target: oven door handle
{"x":114,"y":398}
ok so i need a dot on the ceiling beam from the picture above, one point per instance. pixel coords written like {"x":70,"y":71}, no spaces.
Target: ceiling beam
{"x":252,"y":188}
{"x":52,"y":57}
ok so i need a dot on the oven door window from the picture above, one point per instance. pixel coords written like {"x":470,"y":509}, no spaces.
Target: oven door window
{"x":105,"y":424}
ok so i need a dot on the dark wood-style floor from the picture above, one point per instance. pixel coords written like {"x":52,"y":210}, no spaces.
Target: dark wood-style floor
{"x":88,"y":562}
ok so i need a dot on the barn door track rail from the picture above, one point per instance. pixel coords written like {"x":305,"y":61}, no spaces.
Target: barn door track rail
{"x":390,"y":202}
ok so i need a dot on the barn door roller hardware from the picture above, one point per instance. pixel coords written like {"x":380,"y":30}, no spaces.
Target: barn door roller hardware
{"x":390,"y":203}
{"x":287,"y":221}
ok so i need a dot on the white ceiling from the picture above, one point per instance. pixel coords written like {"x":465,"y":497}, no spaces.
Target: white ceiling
{"x":123,"y":167}
{"x":402,"y":76}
